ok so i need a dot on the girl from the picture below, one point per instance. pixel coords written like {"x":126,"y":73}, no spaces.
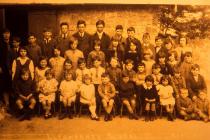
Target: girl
{"x":87,"y":96}
{"x":68,"y":68}
{"x":165,"y":92}
{"x":47,"y":88}
{"x":56,"y":63}
{"x":150,"y":97}
{"x":172,"y":62}
{"x":148,"y":61}
{"x":68,"y":89}
{"x":162,"y":63}
{"x":73,"y":53}
{"x":96,"y":53}
{"x":116,"y":51}
{"x":22,"y":62}
{"x":40,"y":70}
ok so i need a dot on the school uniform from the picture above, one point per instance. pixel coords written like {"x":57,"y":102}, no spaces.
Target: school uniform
{"x":126,"y":90}
{"x":34,"y":52}
{"x":149,"y":93}
{"x":47,"y":47}
{"x":115,"y":75}
{"x":63,"y":42}
{"x":106,"y":90}
{"x":185,"y":69}
{"x":194,"y":86}
{"x":186,"y":103}
{"x":178,"y":83}
{"x":84,"y":42}
{"x":105,"y":41}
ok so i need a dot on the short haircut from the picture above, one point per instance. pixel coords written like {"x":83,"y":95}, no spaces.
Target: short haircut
{"x":161,"y":55}
{"x":49,"y":71}
{"x":195,"y":66}
{"x":105,"y":75}
{"x":131,"y":29}
{"x":47,"y":29}
{"x":158,"y":38}
{"x":16,"y":38}
{"x":187,"y":54}
{"x":167,"y":41}
{"x":119,"y":27}
{"x":72,"y":40}
{"x":86,"y":77}
{"x":81,"y":22}
{"x":96,"y":58}
{"x":68,"y":61}
{"x":156,"y":66}
{"x":31,"y":34}
{"x":64,"y":23}
{"x":5,"y":30}
{"x":146,"y":35}
{"x":165,"y":77}
{"x":149,"y":78}
{"x":129,"y":61}
{"x":170,"y":53}
{"x":125,"y":74}
{"x":99,"y":22}
{"x":42,"y":58}
{"x":81,"y":61}
{"x":141,"y":64}
{"x":68,"y":73}
{"x":97,"y":42}
{"x":23,"y":48}
{"x":24,"y":71}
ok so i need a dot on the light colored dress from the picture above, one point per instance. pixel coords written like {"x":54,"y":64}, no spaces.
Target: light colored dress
{"x":68,"y":90}
{"x":57,"y":66}
{"x":166,"y":94}
{"x":47,"y":90}
{"x":39,"y":75}
{"x":96,"y":74}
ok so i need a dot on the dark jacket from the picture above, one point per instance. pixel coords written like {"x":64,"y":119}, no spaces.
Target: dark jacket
{"x":126,"y":90}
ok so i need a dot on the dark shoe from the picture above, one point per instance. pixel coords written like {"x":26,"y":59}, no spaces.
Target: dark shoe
{"x":110,"y":117}
{"x":134,"y":116}
{"x":170,"y":117}
{"x":106,"y":117}
{"x":95,"y":118}
{"x":22,"y":117}
{"x":152,"y":116}
{"x":69,"y":113}
{"x":147,"y":117}
{"x":62,"y":116}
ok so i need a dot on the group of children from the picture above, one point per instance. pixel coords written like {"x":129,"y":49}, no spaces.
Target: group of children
{"x":99,"y":71}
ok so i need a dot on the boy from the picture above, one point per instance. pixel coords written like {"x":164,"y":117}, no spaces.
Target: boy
{"x":127,"y":95}
{"x":47,"y":43}
{"x":114,"y":72}
{"x":195,"y":82}
{"x":184,"y":105}
{"x":119,"y":37}
{"x":5,"y":80}
{"x":102,"y":36}
{"x":156,"y":73}
{"x":185,"y":66}
{"x":129,"y":70}
{"x":63,"y":38}
{"x":106,"y":91}
{"x":131,"y":38}
{"x":25,"y":89}
{"x":202,"y":106}
{"x":33,"y":49}
{"x":84,"y":38}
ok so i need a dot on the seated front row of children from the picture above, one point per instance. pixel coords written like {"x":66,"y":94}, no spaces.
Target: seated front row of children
{"x":151,"y":93}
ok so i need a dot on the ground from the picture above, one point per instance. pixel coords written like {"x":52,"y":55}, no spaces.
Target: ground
{"x":119,"y":129}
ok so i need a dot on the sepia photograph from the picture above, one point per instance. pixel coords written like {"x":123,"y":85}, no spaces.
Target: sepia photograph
{"x":104,"y":70}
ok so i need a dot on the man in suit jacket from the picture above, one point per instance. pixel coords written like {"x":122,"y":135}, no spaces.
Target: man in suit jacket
{"x":102,"y":36}
{"x":84,"y":38}
{"x":63,"y":39}
{"x":47,"y":43}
